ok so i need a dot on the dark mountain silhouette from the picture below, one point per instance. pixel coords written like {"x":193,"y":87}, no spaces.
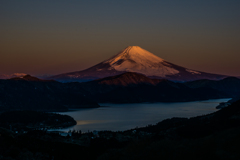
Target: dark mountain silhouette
{"x":30,"y":78}
{"x":35,"y":94}
{"x":14,"y":75}
{"x":230,"y":85}
{"x":134,"y":88}
{"x":29,"y":92}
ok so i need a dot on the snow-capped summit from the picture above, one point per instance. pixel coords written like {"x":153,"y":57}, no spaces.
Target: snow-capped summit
{"x":135,"y":53}
{"x":136,"y":59}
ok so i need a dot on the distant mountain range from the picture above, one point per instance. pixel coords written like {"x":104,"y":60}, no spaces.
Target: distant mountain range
{"x":31,"y":93}
{"x":135,"y":59}
{"x":8,"y":76}
{"x":229,"y":85}
{"x":134,"y":88}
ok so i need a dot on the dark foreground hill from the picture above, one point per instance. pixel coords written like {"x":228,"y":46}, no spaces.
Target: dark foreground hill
{"x":134,"y":88}
{"x":30,"y":120}
{"x":35,"y":94}
{"x":212,"y":136}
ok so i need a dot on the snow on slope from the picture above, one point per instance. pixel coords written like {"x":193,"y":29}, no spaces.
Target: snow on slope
{"x":192,"y":71}
{"x":136,"y":59}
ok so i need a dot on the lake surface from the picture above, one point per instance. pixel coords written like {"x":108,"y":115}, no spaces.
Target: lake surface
{"x":119,"y":117}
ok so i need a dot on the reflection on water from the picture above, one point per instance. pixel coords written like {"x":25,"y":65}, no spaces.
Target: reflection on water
{"x":119,"y":117}
{"x":88,"y":122}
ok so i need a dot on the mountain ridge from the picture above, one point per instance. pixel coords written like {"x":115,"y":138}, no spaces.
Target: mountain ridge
{"x":128,"y":78}
{"x":136,"y":59}
{"x":29,"y":78}
{"x":230,"y":85}
{"x":136,"y":88}
{"x":13,"y":75}
{"x":31,"y":93}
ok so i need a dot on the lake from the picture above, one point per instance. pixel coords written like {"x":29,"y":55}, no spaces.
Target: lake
{"x":119,"y":117}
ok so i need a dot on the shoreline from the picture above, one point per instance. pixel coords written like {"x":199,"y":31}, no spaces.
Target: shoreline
{"x":85,"y":123}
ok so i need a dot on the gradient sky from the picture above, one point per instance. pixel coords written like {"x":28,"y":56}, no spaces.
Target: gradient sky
{"x":52,"y":37}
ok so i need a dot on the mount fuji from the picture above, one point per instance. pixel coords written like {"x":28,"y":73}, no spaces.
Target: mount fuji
{"x":136,"y":59}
